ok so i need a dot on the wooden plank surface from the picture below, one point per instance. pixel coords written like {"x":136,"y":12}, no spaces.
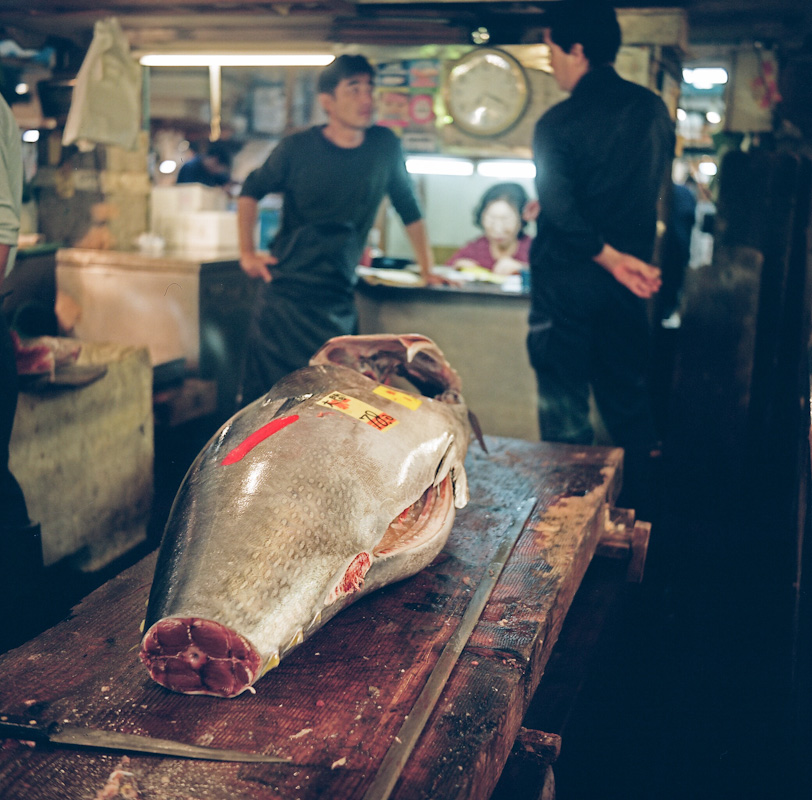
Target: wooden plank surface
{"x":334,"y":705}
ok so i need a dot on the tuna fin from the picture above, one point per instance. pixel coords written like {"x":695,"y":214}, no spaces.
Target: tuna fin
{"x":477,"y":429}
{"x":459,"y":481}
{"x":273,"y":662}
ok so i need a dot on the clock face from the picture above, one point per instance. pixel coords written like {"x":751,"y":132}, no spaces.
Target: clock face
{"x":486,"y":92}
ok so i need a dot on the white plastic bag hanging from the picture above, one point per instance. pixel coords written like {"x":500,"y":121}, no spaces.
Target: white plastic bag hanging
{"x":106,"y":103}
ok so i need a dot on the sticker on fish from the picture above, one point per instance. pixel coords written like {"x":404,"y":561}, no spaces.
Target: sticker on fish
{"x":358,"y":409}
{"x":405,"y":399}
{"x":264,"y":545}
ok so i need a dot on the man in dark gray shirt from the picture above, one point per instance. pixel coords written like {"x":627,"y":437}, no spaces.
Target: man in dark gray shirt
{"x":602,"y":156}
{"x":333,"y":178}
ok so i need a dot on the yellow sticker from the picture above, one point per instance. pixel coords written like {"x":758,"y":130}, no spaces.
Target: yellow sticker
{"x":404,"y":398}
{"x":358,"y":409}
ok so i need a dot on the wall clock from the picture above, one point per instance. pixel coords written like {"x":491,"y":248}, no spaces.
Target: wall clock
{"x":486,"y":92}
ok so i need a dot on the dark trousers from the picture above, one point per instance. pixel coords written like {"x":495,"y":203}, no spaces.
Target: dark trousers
{"x":20,"y":540}
{"x":286,"y":330}
{"x":587,"y":330}
{"x":13,"y":511}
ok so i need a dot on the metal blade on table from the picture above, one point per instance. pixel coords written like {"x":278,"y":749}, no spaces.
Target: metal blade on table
{"x":73,"y":736}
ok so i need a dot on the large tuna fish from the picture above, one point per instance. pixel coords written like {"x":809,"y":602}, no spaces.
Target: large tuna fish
{"x":332,"y":485}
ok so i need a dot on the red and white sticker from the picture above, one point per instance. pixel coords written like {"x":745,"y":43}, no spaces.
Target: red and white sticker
{"x":358,"y":409}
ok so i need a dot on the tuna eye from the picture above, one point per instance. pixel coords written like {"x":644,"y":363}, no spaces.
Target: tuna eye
{"x":451,"y":396}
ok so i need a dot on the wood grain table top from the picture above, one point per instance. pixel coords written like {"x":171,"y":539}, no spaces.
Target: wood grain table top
{"x":333,"y":706}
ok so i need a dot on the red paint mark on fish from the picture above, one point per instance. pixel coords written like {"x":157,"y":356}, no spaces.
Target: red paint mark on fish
{"x":250,"y":442}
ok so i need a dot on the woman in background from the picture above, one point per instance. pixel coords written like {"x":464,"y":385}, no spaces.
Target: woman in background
{"x":505,"y":248}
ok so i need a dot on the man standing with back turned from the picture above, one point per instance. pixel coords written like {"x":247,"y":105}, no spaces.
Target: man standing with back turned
{"x":602,"y":156}
{"x":333,"y":178}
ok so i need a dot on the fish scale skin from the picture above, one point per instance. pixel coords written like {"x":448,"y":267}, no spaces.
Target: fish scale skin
{"x":257,"y":546}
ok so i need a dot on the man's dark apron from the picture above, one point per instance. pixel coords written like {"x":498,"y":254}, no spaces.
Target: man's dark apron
{"x":310,"y":300}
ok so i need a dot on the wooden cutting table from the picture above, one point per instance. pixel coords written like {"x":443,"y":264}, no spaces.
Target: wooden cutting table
{"x":335,"y":705}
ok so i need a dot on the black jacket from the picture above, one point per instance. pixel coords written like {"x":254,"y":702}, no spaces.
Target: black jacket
{"x":601,"y":159}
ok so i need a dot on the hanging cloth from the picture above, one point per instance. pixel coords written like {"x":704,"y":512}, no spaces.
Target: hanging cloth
{"x":106,"y":103}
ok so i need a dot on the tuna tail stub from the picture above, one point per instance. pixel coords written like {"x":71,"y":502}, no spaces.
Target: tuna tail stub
{"x":199,"y":656}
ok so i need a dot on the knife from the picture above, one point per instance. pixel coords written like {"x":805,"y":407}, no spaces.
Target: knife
{"x":73,"y":736}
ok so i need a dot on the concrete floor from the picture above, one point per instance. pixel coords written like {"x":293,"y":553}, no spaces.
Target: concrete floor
{"x":690,"y":691}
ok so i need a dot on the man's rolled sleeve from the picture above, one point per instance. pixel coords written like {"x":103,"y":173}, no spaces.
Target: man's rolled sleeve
{"x":9,"y":207}
{"x":268,"y":178}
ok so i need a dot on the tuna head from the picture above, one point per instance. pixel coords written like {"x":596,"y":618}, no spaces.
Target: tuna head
{"x":332,"y":485}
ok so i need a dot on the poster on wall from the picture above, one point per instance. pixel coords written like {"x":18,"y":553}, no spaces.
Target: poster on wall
{"x":405,"y":92}
{"x":269,"y":109}
{"x":753,"y":93}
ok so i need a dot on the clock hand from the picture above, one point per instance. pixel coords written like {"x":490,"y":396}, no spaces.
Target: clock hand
{"x":495,"y":99}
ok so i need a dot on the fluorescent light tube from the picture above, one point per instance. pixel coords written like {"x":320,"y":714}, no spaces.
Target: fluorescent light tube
{"x":705,"y":77}
{"x":236,"y":60}
{"x":439,"y":166}
{"x":506,"y":168}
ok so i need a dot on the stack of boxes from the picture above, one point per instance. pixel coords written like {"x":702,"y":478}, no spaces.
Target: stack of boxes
{"x":104,"y":200}
{"x":193,"y":218}
{"x":96,"y":199}
{"x":125,"y":186}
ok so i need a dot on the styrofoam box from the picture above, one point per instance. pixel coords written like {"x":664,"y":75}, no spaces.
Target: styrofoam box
{"x":203,"y":230}
{"x":184,"y":198}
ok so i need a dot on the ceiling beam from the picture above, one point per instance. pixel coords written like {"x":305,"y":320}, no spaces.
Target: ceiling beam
{"x":57,"y":7}
{"x":231,"y":22}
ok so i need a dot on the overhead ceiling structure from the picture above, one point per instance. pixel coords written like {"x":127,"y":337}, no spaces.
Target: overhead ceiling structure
{"x":289,"y":24}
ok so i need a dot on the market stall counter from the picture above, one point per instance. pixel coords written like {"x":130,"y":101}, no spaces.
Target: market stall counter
{"x":190,"y":309}
{"x":481,"y":328}
{"x":337,"y":705}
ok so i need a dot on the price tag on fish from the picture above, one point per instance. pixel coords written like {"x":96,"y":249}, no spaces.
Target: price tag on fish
{"x":410,"y":401}
{"x":358,"y":409}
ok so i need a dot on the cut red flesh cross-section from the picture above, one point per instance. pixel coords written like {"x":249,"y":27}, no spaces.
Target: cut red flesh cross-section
{"x":353,"y":578}
{"x":199,"y":656}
